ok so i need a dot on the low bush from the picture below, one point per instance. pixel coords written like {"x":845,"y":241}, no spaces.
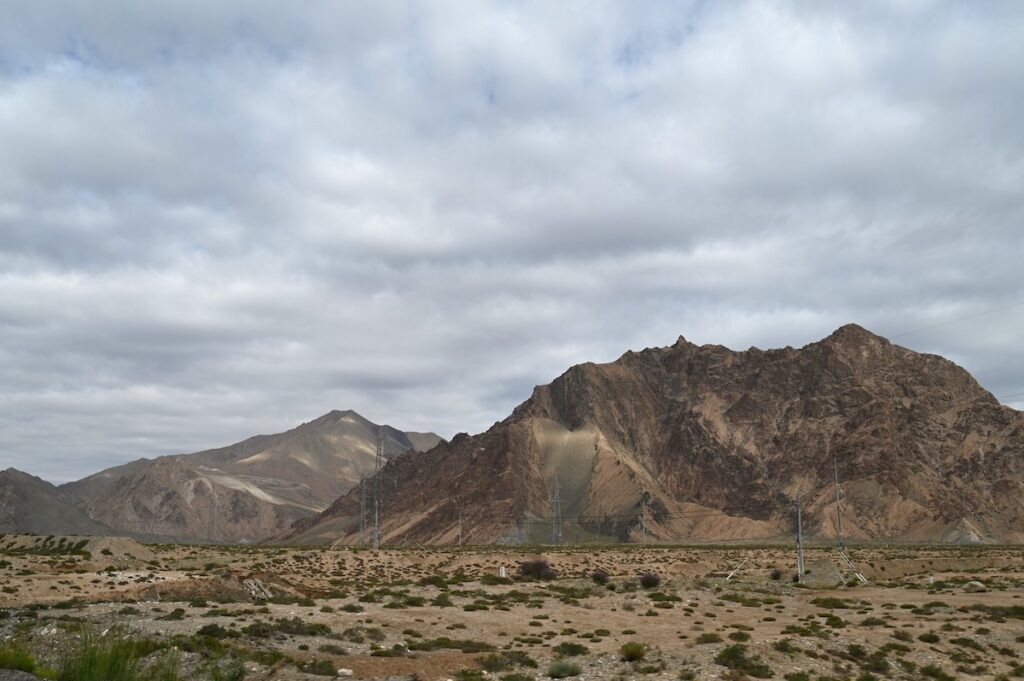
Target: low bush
{"x":633,"y":651}
{"x":536,"y":569}
{"x":600,"y":577}
{"x":709,"y":637}
{"x":735,"y":657}
{"x":561,"y":669}
{"x":570,"y":649}
{"x":650,"y":580}
{"x":506,"y":660}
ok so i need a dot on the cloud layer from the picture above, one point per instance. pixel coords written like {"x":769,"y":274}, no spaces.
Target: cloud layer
{"x":218,"y":219}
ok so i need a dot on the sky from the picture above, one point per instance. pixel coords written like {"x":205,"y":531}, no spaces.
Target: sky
{"x":222,"y":219}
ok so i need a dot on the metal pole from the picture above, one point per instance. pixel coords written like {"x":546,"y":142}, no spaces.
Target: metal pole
{"x":556,"y":525}
{"x":643,"y":515}
{"x":799,"y":544}
{"x":377,"y":487}
{"x":839,"y":512}
{"x":362,"y":511}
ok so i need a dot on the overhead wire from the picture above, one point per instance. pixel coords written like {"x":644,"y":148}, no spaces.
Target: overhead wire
{"x":959,"y":319}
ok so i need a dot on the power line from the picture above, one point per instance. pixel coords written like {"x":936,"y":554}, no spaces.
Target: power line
{"x":958,"y":320}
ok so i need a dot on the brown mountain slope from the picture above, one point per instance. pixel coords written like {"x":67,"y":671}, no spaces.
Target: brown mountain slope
{"x":709,"y":443}
{"x":29,"y":504}
{"x":245,"y":491}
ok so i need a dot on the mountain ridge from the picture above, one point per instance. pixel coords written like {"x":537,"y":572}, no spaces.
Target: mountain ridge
{"x":680,"y":433}
{"x":244,"y":491}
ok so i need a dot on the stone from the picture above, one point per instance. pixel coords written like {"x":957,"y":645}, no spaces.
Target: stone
{"x":975,"y":587}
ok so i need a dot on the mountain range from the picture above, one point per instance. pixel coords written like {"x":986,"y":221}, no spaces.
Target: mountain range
{"x":239,"y":493}
{"x":679,"y":443}
{"x":705,"y":443}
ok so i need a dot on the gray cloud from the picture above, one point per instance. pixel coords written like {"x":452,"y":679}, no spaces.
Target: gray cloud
{"x":218,"y":219}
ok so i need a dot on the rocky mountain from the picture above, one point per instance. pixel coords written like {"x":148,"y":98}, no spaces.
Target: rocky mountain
{"x":702,"y":442}
{"x":245,"y":491}
{"x":31,"y":505}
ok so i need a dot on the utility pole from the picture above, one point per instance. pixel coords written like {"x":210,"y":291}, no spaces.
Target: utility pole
{"x":377,"y":488}
{"x":460,"y":522}
{"x":643,"y":515}
{"x":799,"y":545}
{"x":839,"y":512}
{"x":556,"y":520}
{"x":362,"y":510}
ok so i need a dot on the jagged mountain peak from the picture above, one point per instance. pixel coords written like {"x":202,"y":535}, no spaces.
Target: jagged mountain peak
{"x":692,"y":429}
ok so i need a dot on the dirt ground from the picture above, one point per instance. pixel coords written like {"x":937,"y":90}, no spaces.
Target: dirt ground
{"x":445,"y":613}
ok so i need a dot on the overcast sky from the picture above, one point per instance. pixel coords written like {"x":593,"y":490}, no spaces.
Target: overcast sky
{"x":223,"y":218}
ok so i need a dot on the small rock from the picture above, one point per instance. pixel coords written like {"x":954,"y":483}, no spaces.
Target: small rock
{"x":345,"y":672}
{"x":975,"y":587}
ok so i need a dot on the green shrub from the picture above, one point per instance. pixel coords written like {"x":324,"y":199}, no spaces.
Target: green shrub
{"x":217,"y":631}
{"x":967,"y":643}
{"x":116,"y":659}
{"x":450,"y":644}
{"x":570,"y":649}
{"x":633,"y":651}
{"x":561,"y":669}
{"x":12,"y":657}
{"x":735,"y":657}
{"x":785,"y":646}
{"x":442,"y":601}
{"x":929,"y":637}
{"x":709,"y":637}
{"x":935,"y":672}
{"x":506,"y":660}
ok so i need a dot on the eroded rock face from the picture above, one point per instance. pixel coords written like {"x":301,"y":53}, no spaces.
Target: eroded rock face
{"x":244,"y":492}
{"x":709,"y":443}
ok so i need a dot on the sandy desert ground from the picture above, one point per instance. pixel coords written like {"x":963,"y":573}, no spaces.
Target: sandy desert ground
{"x":446,"y":613}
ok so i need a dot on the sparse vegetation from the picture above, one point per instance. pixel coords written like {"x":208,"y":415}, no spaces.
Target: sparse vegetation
{"x":406,"y":604}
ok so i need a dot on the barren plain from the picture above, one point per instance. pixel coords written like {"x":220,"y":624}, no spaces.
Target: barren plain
{"x":586,"y":612}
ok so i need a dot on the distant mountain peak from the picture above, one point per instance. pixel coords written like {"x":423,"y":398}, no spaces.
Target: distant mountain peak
{"x":252,"y":488}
